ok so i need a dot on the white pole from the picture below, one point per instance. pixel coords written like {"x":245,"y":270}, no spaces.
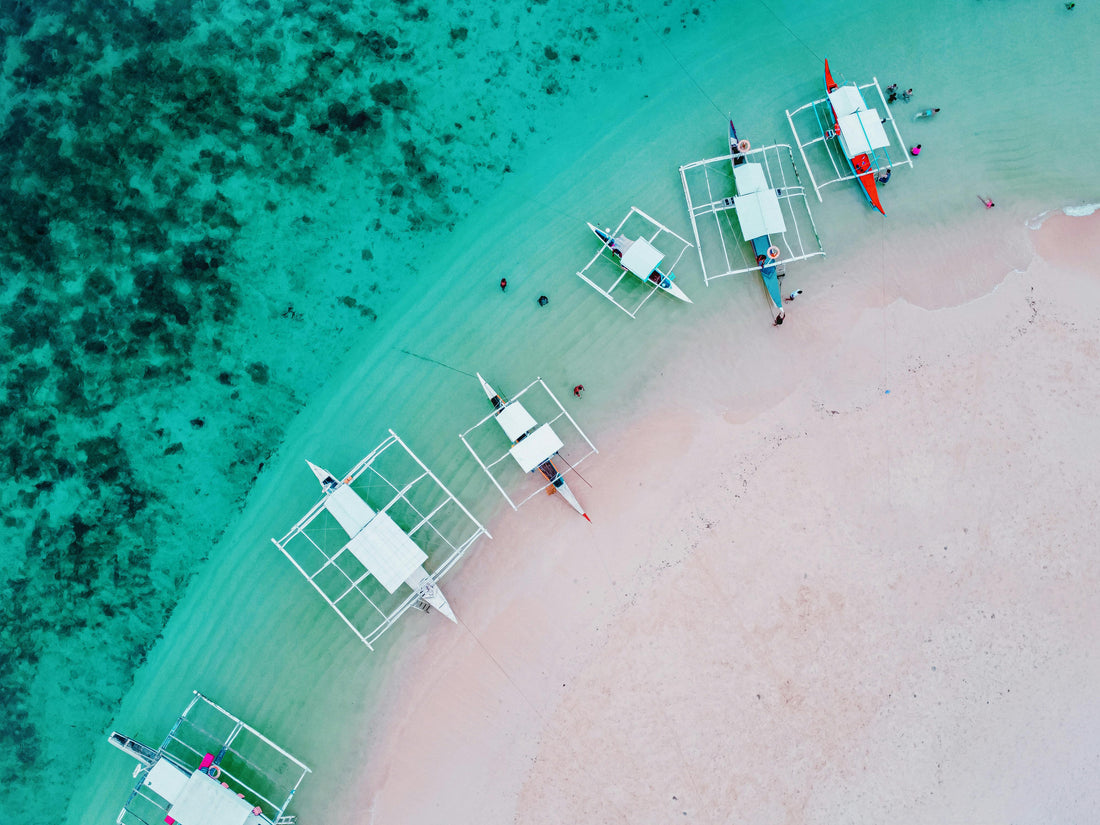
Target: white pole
{"x":802,"y":151}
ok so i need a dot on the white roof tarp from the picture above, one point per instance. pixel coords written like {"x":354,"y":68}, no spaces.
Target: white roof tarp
{"x":749,"y":178}
{"x":846,"y":100}
{"x":348,"y":508}
{"x":166,"y":780}
{"x":203,"y":801}
{"x":642,"y":258}
{"x":386,"y":551}
{"x":515,"y":420}
{"x":862,"y":132}
{"x":536,"y":448}
{"x":759,"y":214}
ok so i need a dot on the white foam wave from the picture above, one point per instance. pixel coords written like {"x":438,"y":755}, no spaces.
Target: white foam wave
{"x":1080,"y":211}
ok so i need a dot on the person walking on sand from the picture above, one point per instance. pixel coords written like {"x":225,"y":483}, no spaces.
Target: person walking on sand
{"x":779,"y":316}
{"x":793,"y":295}
{"x":915,"y":150}
{"x":988,"y":203}
{"x":503,"y":284}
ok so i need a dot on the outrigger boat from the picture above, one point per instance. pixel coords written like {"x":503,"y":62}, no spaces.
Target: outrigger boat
{"x":758,"y":212}
{"x":638,"y":246}
{"x":380,"y":545}
{"x":767,"y":213}
{"x":641,"y":259}
{"x":212,"y":769}
{"x":844,"y":125}
{"x":533,"y":446}
{"x":371,"y":562}
{"x":859,"y":131}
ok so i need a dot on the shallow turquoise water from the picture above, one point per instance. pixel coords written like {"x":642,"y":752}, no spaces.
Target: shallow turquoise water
{"x":241,"y":235}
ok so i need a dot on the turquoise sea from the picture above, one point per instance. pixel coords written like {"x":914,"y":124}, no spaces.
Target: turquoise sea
{"x":239,"y":235}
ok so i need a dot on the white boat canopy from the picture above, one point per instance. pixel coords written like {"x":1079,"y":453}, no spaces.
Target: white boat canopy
{"x":642,"y":258}
{"x":386,"y":551}
{"x":166,"y":780}
{"x":861,"y":132}
{"x":348,"y":508}
{"x":515,"y":420}
{"x":749,"y":178}
{"x":759,"y":214}
{"x":536,"y":448}
{"x":756,"y":203}
{"x":203,"y":801}
{"x":846,"y":100}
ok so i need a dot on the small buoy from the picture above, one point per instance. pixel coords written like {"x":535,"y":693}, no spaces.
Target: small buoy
{"x":773,"y":252}
{"x":214,"y":772}
{"x":744,"y":146}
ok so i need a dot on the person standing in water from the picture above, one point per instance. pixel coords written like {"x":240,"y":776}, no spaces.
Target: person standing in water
{"x":915,"y":150}
{"x":503,"y":284}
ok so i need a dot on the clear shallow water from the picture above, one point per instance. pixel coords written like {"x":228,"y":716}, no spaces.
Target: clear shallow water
{"x":228,"y":227}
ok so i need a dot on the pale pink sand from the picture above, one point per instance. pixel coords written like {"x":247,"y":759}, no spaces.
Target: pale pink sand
{"x":803,"y":599}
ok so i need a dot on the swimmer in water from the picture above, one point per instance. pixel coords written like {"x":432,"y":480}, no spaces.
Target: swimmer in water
{"x":928,"y":113}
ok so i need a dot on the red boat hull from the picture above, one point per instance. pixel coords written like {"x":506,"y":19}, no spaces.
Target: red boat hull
{"x":861,"y":164}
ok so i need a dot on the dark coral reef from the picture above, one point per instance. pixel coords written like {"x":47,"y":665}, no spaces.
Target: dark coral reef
{"x":168,"y":173}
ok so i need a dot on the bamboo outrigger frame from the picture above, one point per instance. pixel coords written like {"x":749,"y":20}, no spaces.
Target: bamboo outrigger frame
{"x":422,"y":506}
{"x":604,"y":252}
{"x":712,"y":182}
{"x":489,"y":464}
{"x":212,"y":767}
{"x":830,"y":141}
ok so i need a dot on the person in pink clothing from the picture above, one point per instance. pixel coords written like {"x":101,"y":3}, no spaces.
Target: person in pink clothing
{"x":915,"y":150}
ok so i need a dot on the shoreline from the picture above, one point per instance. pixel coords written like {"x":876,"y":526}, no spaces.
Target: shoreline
{"x":588,"y":654}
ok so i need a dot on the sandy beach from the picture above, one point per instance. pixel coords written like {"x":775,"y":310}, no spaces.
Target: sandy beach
{"x":865,"y":592}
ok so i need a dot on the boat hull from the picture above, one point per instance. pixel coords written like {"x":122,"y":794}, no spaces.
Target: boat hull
{"x":768,"y":273}
{"x":555,"y":478}
{"x":860,"y":164}
{"x":429,"y":593}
